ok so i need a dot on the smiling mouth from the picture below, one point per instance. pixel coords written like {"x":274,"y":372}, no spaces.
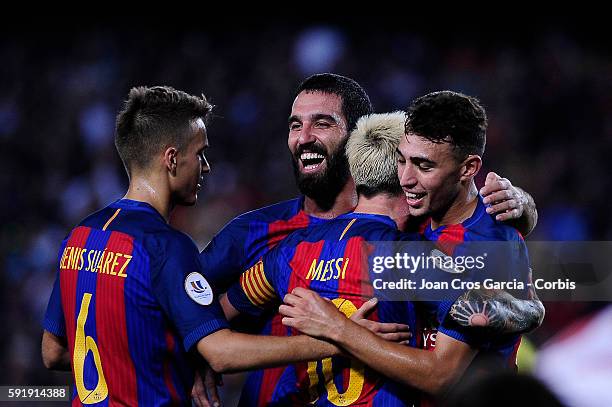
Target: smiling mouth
{"x":414,"y":198}
{"x":311,"y":161}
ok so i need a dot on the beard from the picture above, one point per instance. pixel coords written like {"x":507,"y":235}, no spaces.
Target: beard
{"x":323,"y":187}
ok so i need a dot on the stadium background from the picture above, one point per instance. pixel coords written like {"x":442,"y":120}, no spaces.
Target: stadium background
{"x":547,"y":90}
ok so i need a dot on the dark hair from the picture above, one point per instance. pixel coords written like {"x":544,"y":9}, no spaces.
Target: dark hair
{"x":477,"y":389}
{"x":452,"y":117}
{"x":355,"y":100}
{"x":154,"y":118}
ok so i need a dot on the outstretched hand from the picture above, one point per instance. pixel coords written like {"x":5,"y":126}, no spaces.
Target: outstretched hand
{"x":309,"y":313}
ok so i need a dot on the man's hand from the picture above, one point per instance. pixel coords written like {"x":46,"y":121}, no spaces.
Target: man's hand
{"x":55,"y":352}
{"x":389,"y":331}
{"x":310,"y":314}
{"x":315,"y":316}
{"x":204,"y":391}
{"x":509,"y":203}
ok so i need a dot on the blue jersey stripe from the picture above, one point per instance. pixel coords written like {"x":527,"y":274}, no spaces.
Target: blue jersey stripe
{"x":86,"y":283}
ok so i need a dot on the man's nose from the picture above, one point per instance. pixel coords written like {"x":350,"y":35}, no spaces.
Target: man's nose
{"x":408,"y":177}
{"x":205,"y":166}
{"x":306,"y":135}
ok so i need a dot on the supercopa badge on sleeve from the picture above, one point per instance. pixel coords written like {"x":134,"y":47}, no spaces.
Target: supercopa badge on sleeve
{"x":198,"y":289}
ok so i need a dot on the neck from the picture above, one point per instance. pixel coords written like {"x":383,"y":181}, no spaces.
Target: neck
{"x":344,"y":202}
{"x":460,"y":209}
{"x":149,"y":190}
{"x":394,"y":207}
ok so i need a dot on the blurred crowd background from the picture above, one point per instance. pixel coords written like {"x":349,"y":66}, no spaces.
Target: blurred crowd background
{"x":547,"y":90}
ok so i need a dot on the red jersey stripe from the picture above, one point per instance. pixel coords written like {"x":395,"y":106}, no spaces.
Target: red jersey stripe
{"x":170,"y":343}
{"x":304,"y":252}
{"x":68,"y":287}
{"x":279,"y":230}
{"x":450,"y":238}
{"x":270,"y":377}
{"x":112,"y":328}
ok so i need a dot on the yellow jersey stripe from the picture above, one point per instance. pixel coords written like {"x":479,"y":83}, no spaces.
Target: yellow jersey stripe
{"x":246,"y":289}
{"x":266,"y":292}
{"x":257,"y":287}
{"x":255,"y":296}
{"x":347,"y":228}
{"x":263,"y":276}
{"x":112,"y":218}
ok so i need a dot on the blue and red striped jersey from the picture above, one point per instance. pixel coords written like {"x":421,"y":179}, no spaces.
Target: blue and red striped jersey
{"x":130,"y":299}
{"x":461,"y":239}
{"x":333,"y":260}
{"x":246,"y":238}
{"x":239,"y":245}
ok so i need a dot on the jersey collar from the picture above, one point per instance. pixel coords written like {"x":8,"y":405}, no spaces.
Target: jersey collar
{"x":478,"y":213}
{"x":369,"y":216}
{"x":136,"y":206}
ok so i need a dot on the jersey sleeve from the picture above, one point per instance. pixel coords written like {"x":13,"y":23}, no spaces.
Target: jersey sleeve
{"x":54,"y":316}
{"x":223,"y":258}
{"x":183,"y":292}
{"x":54,"y":321}
{"x":451,"y":328}
{"x":448,"y":326}
{"x":508,"y":260}
{"x":256,"y":289}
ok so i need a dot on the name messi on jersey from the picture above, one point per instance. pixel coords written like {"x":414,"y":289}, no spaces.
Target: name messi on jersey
{"x":96,"y":261}
{"x":324,"y":270}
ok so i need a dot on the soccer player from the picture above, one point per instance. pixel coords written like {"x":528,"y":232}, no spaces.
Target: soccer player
{"x":331,"y":258}
{"x":438,"y":158}
{"x":326,"y":108}
{"x":129,"y":300}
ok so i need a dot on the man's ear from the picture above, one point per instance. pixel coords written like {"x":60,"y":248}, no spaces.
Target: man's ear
{"x":170,"y":155}
{"x":470,"y":167}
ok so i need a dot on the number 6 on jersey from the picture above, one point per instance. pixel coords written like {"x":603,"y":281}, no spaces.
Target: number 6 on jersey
{"x":82,"y":345}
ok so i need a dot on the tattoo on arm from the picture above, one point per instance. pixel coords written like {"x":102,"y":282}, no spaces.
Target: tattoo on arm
{"x":499,"y":311}
{"x":527,"y":222}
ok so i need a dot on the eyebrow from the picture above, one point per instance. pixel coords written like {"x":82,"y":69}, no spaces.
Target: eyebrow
{"x":419,"y":160}
{"x":416,"y":160}
{"x":314,"y":117}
